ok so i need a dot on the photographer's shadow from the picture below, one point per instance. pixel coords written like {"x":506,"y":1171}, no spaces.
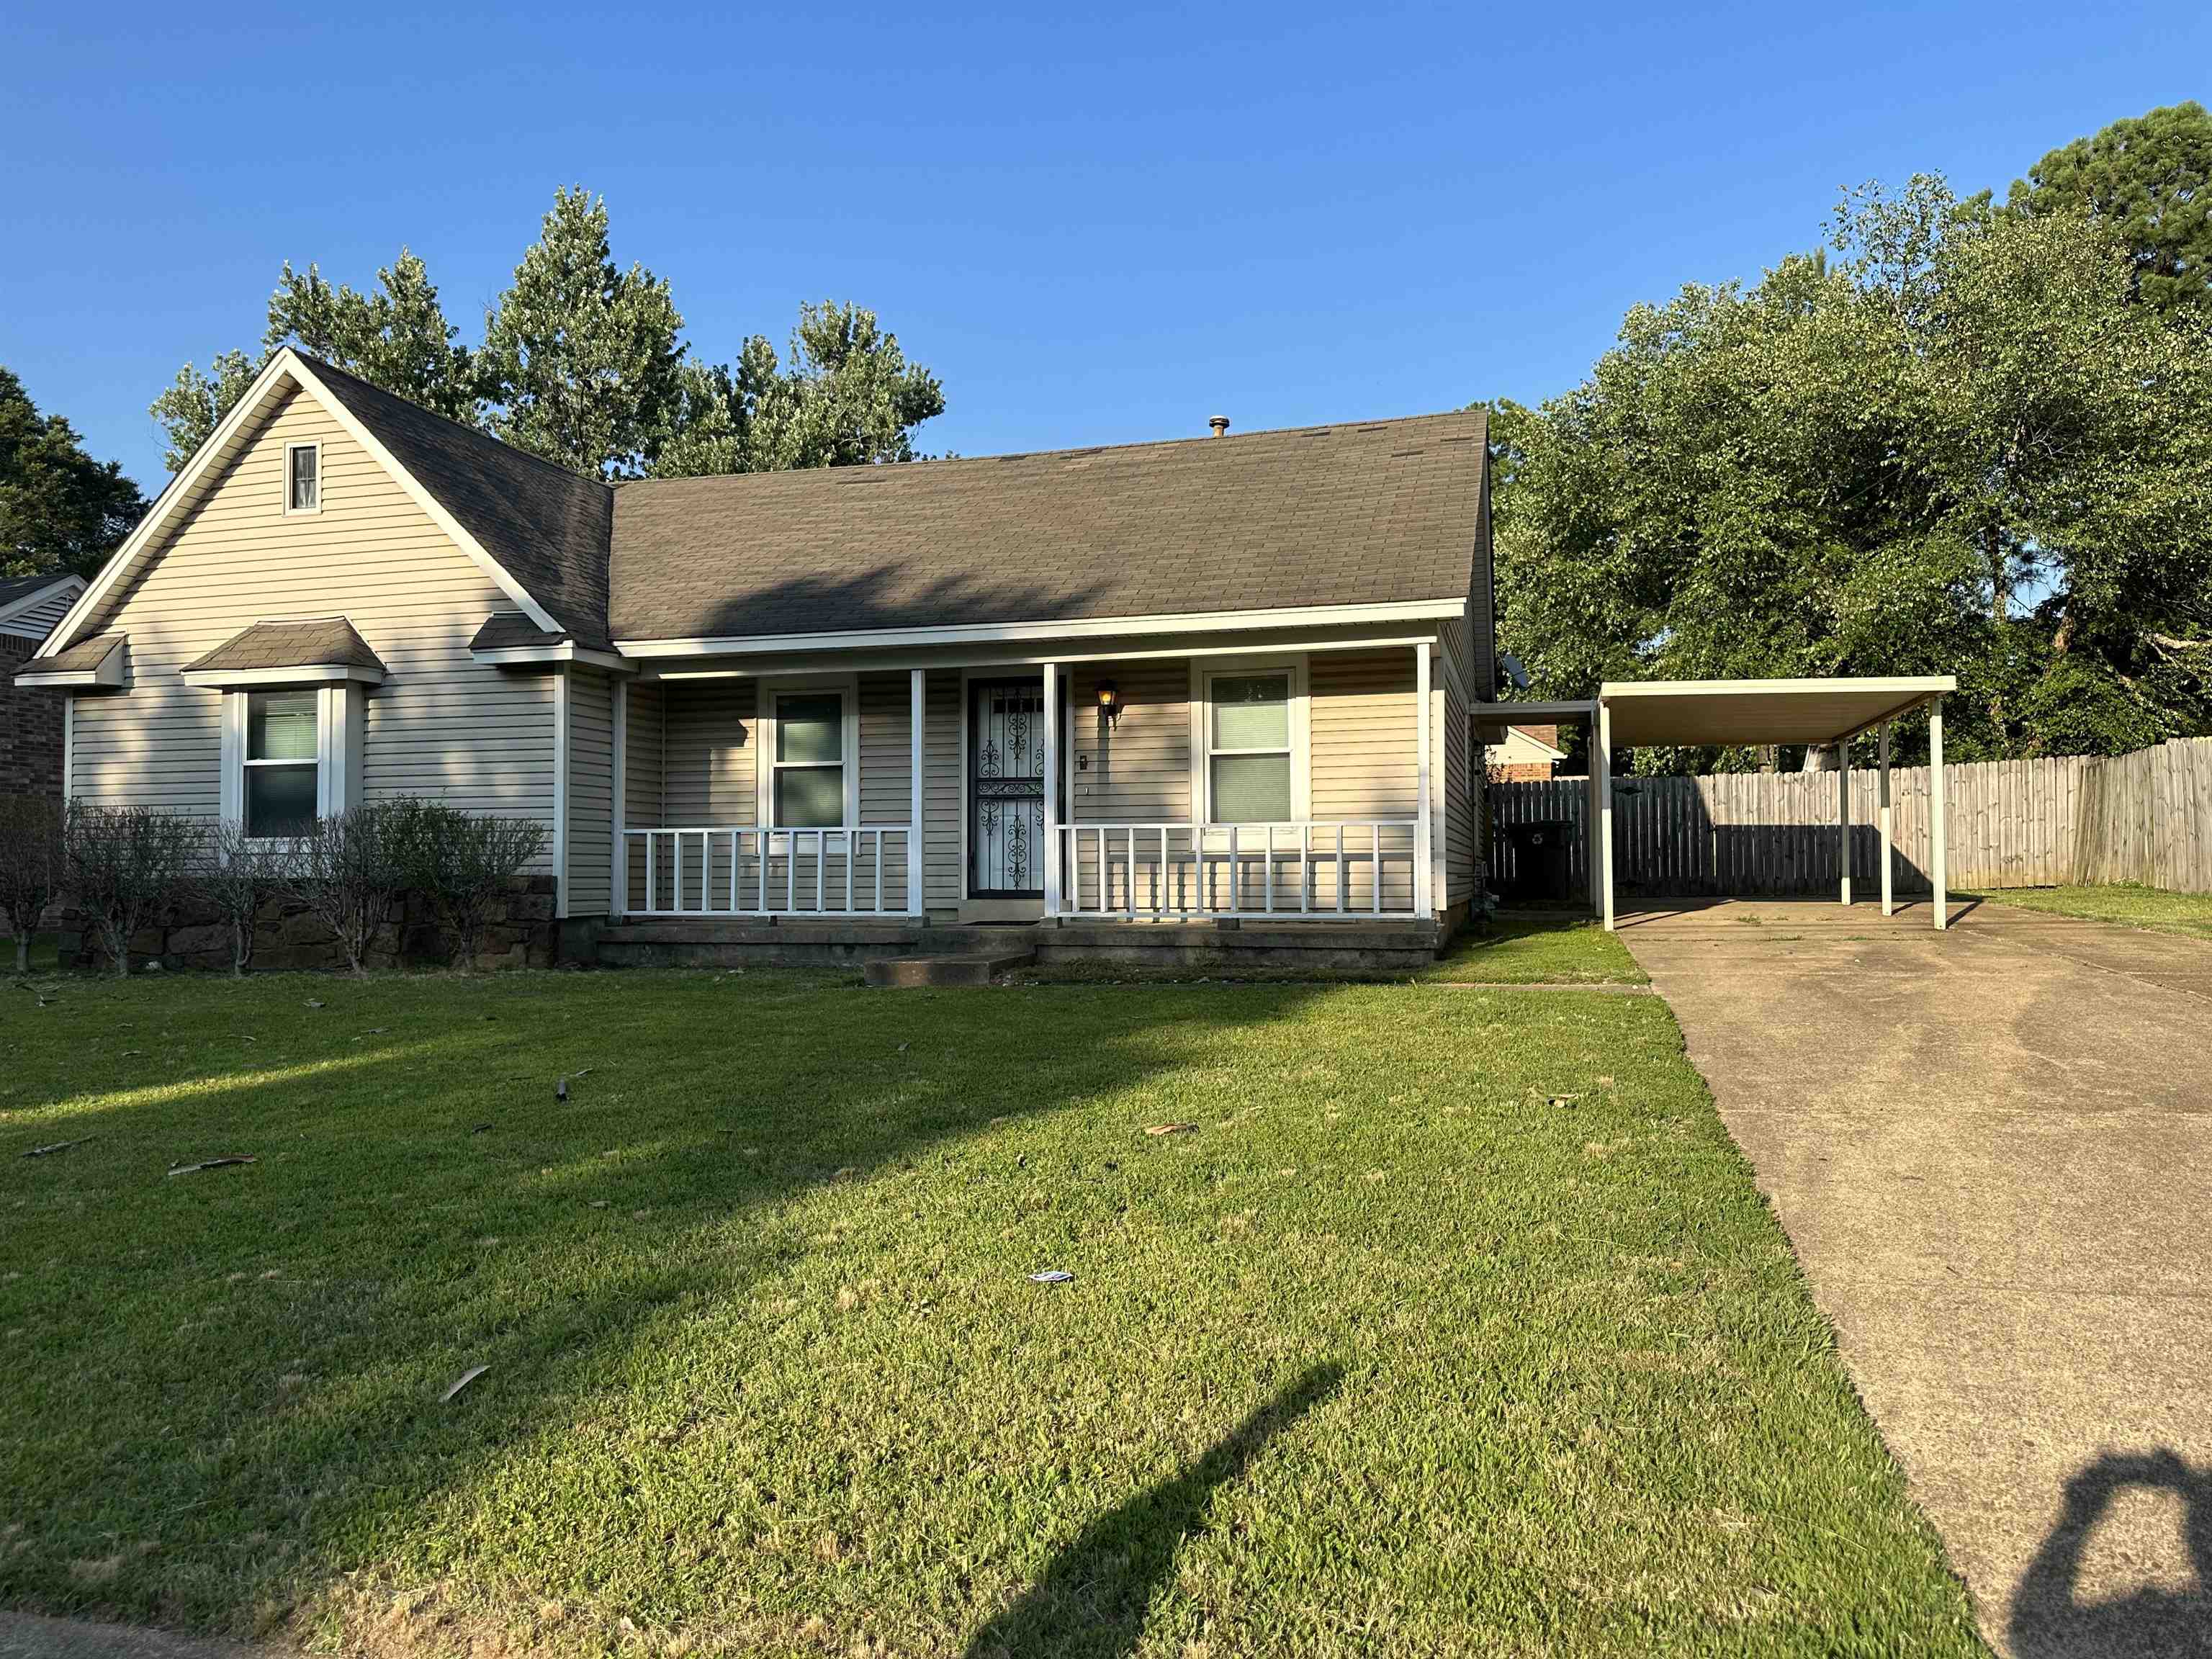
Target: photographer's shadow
{"x":2049,"y":1619}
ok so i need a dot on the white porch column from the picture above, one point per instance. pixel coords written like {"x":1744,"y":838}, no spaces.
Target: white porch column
{"x":618,"y":891}
{"x":1593,"y":815}
{"x":1422,"y":905}
{"x":1888,"y":900}
{"x":1050,"y":850}
{"x":915,"y":749}
{"x":1602,"y":769}
{"x":1939,"y":828}
{"x":1844,"y":813}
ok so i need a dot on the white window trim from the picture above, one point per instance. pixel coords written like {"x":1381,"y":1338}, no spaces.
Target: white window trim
{"x":290,"y":449}
{"x":1203,"y":671}
{"x":340,"y":722}
{"x":847,"y":688}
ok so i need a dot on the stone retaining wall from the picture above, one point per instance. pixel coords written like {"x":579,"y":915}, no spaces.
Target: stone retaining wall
{"x":522,"y":934}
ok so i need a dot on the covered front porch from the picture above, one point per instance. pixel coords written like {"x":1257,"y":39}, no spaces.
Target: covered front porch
{"x":1298,"y":782}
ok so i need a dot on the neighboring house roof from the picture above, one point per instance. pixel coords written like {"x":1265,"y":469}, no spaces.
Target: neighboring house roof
{"x":546,"y":526}
{"x":1546,"y":738}
{"x":31,"y":605}
{"x":324,"y":643}
{"x":1364,"y":513}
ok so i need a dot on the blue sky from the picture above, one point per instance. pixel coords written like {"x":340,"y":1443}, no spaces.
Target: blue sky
{"x":1096,"y":228}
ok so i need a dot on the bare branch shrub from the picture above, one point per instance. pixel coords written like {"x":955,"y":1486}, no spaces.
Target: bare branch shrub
{"x":236,"y":875}
{"x":462,"y":862}
{"x":33,"y":859}
{"x":125,"y":864}
{"x":346,"y":873}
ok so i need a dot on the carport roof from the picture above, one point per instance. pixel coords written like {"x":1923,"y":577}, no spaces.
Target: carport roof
{"x":1809,"y":711}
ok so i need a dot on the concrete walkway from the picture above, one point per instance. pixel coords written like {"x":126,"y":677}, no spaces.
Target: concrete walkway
{"x":1993,"y":1149}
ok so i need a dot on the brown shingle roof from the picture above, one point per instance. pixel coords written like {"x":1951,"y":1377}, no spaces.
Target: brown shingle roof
{"x":82,"y":657}
{"x":324,"y":643}
{"x":505,"y":628}
{"x":546,"y":526}
{"x":1365,"y":513}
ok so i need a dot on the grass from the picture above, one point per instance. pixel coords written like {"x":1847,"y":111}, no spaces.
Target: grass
{"x":1455,"y":1325}
{"x":2189,"y":913}
{"x":1559,"y":951}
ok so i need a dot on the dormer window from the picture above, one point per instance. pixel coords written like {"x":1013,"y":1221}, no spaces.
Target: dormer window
{"x":303,"y":478}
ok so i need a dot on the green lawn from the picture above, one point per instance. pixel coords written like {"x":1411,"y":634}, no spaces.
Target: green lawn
{"x":1563,"y":950}
{"x":1395,"y":1352}
{"x":2137,"y":907}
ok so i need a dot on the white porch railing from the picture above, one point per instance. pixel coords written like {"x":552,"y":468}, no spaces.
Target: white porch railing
{"x":739,"y":869}
{"x":1351,"y":867}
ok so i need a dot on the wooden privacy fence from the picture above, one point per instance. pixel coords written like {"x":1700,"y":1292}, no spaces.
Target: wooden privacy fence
{"x":2144,"y":818}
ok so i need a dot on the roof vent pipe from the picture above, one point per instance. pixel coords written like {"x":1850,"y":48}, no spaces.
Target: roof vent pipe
{"x":1219,"y":424}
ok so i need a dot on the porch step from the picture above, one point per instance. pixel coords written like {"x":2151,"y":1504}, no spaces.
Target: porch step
{"x":905,"y":972}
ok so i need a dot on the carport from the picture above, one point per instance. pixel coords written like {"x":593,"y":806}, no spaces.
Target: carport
{"x":1813,"y":713}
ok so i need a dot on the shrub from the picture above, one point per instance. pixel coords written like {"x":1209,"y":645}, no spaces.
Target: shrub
{"x":124,"y":865}
{"x":461,"y":862}
{"x":33,"y":855}
{"x":346,"y":870}
{"x":234,"y":876}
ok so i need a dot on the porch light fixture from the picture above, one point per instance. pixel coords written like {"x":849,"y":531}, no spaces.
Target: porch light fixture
{"x":1110,"y":701}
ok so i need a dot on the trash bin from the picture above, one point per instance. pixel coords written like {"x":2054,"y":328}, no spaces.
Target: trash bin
{"x":1536,"y":860}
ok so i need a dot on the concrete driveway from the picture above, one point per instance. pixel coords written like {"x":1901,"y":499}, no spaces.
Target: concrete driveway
{"x":1993,"y":1149}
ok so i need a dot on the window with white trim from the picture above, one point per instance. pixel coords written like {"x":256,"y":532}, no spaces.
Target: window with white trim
{"x":1247,"y":751}
{"x":809,"y":762}
{"x":303,"y":477}
{"x":283,"y":763}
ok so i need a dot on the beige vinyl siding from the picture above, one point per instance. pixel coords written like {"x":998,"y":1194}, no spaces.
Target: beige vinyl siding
{"x":591,"y":791}
{"x":1462,"y":787}
{"x":710,"y":756}
{"x":1134,"y":771}
{"x":644,"y":749}
{"x":886,"y":779}
{"x":1363,"y":730}
{"x":944,"y":791}
{"x":478,"y":738}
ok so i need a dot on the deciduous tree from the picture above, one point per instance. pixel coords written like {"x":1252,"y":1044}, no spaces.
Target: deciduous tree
{"x":59,"y":508}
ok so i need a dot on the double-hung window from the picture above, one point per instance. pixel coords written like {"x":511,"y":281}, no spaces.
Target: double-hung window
{"x":1248,"y":772}
{"x":303,"y":478}
{"x":283,"y":763}
{"x":809,"y":780}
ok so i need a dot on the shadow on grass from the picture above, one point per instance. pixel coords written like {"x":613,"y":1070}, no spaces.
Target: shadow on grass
{"x":1091,"y":1602}
{"x":2049,"y":1619}
{"x":562,"y":1244}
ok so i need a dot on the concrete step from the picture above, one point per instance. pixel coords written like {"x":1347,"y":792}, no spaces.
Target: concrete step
{"x":970,"y":969}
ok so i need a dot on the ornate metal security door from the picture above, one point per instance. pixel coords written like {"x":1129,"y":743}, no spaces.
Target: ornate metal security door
{"x":1006,"y":789}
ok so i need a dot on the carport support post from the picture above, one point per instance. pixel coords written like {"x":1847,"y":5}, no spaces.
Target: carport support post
{"x":1844,"y":813}
{"x":1889,"y":902}
{"x":1939,"y":828}
{"x":1601,"y":763}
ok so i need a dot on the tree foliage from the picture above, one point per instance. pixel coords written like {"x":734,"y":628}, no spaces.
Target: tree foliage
{"x":1947,"y":442}
{"x":34,"y":862}
{"x":59,"y":508}
{"x":584,"y":363}
{"x":2150,"y":181}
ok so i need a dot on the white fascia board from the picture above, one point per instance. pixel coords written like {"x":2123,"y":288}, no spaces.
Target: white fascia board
{"x":38,"y":596}
{"x":885,"y":662}
{"x":508,"y":656}
{"x":1204,"y":622}
{"x":1902,"y":685}
{"x":225,"y":679}
{"x":422,"y":497}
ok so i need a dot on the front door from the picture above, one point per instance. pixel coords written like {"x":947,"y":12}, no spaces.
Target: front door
{"x":1006,"y":789}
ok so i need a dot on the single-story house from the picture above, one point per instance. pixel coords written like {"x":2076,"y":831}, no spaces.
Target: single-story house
{"x":1527,"y":753}
{"x":1127,"y":692}
{"x":31,"y":724}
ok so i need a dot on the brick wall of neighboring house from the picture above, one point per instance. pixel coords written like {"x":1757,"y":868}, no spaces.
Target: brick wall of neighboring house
{"x":1522,"y":772}
{"x":30,"y":728}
